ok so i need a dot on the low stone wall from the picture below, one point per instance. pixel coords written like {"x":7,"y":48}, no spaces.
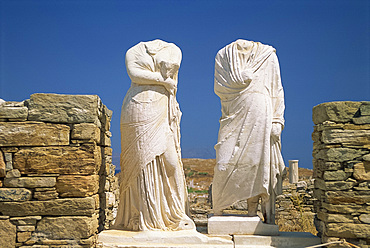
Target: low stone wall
{"x":294,"y":207}
{"x":341,"y":152}
{"x":57,"y":183}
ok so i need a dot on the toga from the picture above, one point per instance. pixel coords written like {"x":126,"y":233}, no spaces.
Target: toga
{"x":249,"y":161}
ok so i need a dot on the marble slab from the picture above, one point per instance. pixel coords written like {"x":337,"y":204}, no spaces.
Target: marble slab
{"x":230,"y":225}
{"x":161,"y":239}
{"x":284,"y":240}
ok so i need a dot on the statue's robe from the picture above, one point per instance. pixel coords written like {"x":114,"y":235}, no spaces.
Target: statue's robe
{"x":249,"y":161}
{"x":153,"y":193}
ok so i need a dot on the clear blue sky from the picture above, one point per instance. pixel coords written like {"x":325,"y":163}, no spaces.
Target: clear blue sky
{"x":78,"y":47}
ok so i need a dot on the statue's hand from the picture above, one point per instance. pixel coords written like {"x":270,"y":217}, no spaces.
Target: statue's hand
{"x":168,"y":70}
{"x":170,"y":85}
{"x":247,"y":76}
{"x":276,"y":130}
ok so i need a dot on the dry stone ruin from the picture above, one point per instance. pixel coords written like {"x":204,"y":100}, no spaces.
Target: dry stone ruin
{"x":58,"y":189}
{"x":57,"y":184}
{"x":341,"y":163}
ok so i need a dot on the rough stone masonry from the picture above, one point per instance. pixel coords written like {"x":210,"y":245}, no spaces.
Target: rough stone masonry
{"x":341,"y":160}
{"x":57,"y":184}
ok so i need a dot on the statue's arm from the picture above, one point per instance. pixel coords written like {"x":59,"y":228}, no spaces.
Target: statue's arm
{"x":277,"y":92}
{"x":139,"y":74}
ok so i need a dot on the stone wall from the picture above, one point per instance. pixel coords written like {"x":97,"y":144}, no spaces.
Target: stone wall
{"x":294,"y":207}
{"x":341,"y":159}
{"x":57,"y":183}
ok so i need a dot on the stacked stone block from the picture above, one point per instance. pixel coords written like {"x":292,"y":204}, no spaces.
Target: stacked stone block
{"x":57,"y":183}
{"x":341,"y":159}
{"x":294,"y":207}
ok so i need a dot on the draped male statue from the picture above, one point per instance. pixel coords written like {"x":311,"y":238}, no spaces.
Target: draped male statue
{"x":248,"y":152}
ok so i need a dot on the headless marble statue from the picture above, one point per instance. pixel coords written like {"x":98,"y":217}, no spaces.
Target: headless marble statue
{"x":153,"y":193}
{"x":248,"y":153}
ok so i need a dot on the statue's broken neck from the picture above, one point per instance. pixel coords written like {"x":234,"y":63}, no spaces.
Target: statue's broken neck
{"x":244,"y":46}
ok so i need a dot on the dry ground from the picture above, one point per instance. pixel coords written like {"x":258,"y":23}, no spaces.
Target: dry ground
{"x":199,"y":173}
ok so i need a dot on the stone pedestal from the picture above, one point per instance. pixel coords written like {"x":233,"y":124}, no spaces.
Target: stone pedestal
{"x":284,"y":240}
{"x":185,"y":239}
{"x":293,"y":171}
{"x":230,"y":225}
{"x":161,"y":239}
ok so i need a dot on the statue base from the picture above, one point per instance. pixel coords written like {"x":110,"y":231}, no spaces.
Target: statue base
{"x":193,"y":239}
{"x":231,"y":225}
{"x":161,"y":239}
{"x":284,"y":240}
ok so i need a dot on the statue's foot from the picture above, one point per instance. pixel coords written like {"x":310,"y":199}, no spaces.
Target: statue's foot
{"x":252,"y":214}
{"x":186,"y":225}
{"x":252,"y":206}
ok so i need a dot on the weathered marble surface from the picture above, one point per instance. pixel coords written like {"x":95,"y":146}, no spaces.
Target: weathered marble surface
{"x":248,"y":153}
{"x":293,"y":171}
{"x":284,"y":240}
{"x":239,"y":225}
{"x":161,"y":239}
{"x":153,"y":193}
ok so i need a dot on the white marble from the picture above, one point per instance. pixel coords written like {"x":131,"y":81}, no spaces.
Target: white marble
{"x":293,"y":171}
{"x":248,"y":152}
{"x":192,"y":239}
{"x":231,"y":225}
{"x":153,"y":193}
{"x":284,"y":240}
{"x":183,"y":239}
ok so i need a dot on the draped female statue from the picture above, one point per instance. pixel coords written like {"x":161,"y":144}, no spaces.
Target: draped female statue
{"x":249,"y":162}
{"x":153,"y":193}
